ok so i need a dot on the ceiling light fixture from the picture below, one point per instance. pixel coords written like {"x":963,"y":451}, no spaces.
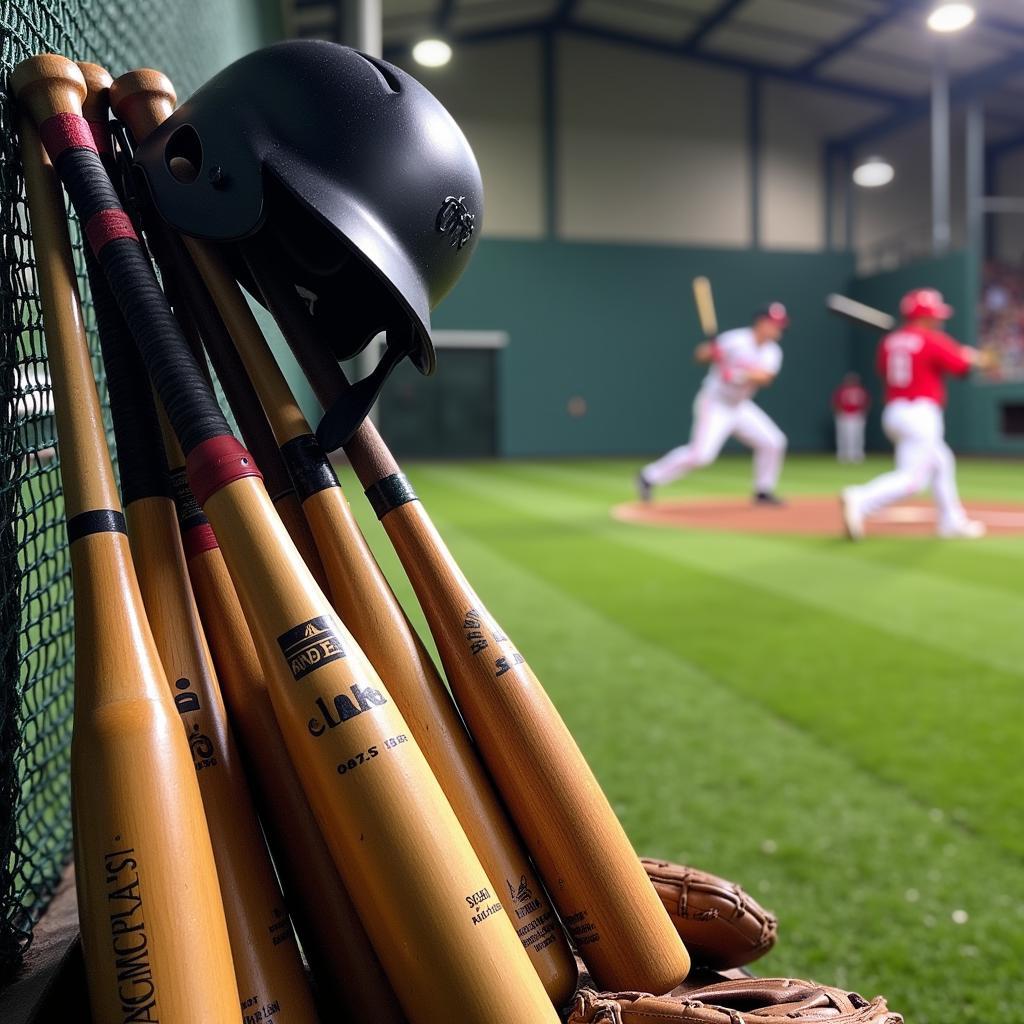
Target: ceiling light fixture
{"x":873,"y":172}
{"x":432,"y":53}
{"x":950,"y":17}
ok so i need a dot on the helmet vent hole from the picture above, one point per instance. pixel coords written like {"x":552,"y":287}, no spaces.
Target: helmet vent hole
{"x":384,"y":70}
{"x":184,"y":154}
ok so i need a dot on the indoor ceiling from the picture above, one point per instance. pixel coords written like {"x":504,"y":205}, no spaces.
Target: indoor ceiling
{"x":878,"y":50}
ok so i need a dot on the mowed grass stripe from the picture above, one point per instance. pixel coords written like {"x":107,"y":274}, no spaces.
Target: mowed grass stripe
{"x":865,"y":881}
{"x":917,"y":717}
{"x":834,"y":575}
{"x":980,"y":480}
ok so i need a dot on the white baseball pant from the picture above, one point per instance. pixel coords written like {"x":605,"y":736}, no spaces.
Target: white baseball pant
{"x":850,"y":436}
{"x":714,"y":422}
{"x":923,"y":459}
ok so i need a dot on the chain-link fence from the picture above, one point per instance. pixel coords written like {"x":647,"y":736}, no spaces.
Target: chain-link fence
{"x":187,"y":39}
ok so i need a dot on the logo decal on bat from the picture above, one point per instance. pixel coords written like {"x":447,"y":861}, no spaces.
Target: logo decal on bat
{"x":309,"y":645}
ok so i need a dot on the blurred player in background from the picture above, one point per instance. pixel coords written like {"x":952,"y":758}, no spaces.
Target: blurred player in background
{"x":850,"y":404}
{"x":913,"y":362}
{"x":741,"y":362}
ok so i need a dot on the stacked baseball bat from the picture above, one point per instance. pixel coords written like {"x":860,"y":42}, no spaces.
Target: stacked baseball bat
{"x":261,"y":739}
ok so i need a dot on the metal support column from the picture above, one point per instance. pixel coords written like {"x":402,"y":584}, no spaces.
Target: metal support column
{"x":754,"y":156}
{"x":940,"y":152}
{"x":849,"y":209}
{"x":974,"y":171}
{"x":549,"y":112}
{"x":828,"y":184}
{"x":362,"y":26}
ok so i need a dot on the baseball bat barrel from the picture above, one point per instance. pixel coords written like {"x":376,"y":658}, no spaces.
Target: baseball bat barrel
{"x":593,"y":874}
{"x":705,"y":301}
{"x":268,"y":968}
{"x":860,"y":313}
{"x":349,"y":979}
{"x":153,"y":930}
{"x":135,"y":98}
{"x":360,"y":591}
{"x":448,"y":947}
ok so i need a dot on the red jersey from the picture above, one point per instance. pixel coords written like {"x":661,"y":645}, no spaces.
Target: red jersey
{"x":913,"y":362}
{"x":850,"y":399}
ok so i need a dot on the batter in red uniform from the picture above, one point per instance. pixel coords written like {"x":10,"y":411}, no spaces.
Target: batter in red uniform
{"x":850,"y":404}
{"x":913,"y":362}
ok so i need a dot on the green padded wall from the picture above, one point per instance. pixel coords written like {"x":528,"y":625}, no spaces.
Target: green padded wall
{"x":615,"y":325}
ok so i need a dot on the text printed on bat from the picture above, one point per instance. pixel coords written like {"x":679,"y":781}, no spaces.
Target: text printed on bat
{"x":186,"y":700}
{"x":136,"y":988}
{"x":474,"y":623}
{"x":344,"y":767}
{"x":345,"y":708}
{"x":310,"y":645}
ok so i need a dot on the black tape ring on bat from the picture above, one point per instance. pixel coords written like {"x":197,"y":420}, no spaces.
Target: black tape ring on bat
{"x":309,"y":467}
{"x":99,"y":520}
{"x":140,"y":449}
{"x":387,"y":494}
{"x":188,"y":399}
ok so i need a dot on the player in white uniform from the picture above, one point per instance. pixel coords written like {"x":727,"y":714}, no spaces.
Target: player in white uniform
{"x":741,"y":362}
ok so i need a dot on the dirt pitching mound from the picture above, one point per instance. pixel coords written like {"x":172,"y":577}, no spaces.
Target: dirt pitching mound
{"x":804,"y":515}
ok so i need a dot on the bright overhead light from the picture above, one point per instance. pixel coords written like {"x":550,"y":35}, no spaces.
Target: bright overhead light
{"x":950,"y":17}
{"x":873,"y":172}
{"x":432,"y":53}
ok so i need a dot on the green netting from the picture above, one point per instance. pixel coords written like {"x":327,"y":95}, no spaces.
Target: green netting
{"x":188,"y":39}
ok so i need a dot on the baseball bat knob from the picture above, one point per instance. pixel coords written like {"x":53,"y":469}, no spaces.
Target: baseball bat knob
{"x":49,"y":84}
{"x":97,"y":99}
{"x":143,"y":100}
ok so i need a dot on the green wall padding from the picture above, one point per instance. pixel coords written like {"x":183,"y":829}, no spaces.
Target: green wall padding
{"x":616,"y":325}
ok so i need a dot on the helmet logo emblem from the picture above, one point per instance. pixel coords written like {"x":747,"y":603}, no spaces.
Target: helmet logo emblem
{"x":455,"y":218}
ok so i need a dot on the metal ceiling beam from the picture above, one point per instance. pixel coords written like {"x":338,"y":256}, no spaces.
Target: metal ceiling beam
{"x":855,"y":35}
{"x":734,"y":64}
{"x":966,"y":87}
{"x":721,"y":14}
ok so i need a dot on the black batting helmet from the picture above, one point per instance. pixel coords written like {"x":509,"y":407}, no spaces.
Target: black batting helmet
{"x":348,"y":172}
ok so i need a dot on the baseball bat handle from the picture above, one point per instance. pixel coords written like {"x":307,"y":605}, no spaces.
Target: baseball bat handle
{"x":140,"y":452}
{"x":52,"y":89}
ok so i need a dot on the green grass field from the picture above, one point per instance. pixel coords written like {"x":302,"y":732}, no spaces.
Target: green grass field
{"x":838,"y":728}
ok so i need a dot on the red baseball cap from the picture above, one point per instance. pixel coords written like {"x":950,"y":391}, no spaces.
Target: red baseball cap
{"x":774,"y":311}
{"x":925,"y":302}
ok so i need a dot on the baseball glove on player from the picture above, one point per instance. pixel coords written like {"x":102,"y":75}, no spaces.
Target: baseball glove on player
{"x":749,"y":1001}
{"x":719,"y":923}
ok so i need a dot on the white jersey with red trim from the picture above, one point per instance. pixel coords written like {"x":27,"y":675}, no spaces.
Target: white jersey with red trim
{"x":736,"y":353}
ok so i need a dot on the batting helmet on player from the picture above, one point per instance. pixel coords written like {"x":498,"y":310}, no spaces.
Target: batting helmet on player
{"x":774,"y":311}
{"x":349,"y":173}
{"x":925,"y":303}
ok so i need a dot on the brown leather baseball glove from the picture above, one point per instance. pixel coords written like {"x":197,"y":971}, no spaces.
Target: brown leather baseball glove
{"x":719,"y":923}
{"x":748,"y":1001}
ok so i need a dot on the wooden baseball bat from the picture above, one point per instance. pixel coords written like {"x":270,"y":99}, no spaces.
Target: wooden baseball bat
{"x":594,"y":877}
{"x":268,"y":968}
{"x":350,"y":981}
{"x":705,"y":301}
{"x":153,"y":931}
{"x":442,"y":936}
{"x":362,"y":596}
{"x":186,"y":292}
{"x":860,"y":313}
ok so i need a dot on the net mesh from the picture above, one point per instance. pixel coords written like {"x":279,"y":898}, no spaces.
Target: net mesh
{"x":188,"y":39}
